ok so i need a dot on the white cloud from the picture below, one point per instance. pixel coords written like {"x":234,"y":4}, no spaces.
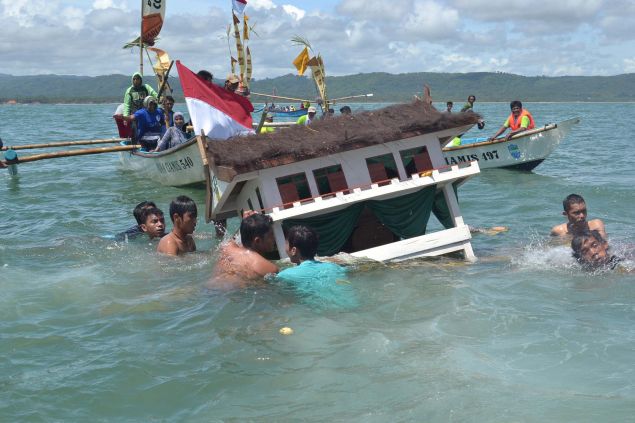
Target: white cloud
{"x":293,"y":11}
{"x":261,"y":4}
{"x":73,"y":18}
{"x":629,"y":65}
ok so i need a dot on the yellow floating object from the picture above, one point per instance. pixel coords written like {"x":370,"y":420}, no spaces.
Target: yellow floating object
{"x":286,"y":331}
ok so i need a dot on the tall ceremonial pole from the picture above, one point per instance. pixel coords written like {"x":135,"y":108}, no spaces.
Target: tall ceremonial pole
{"x":141,"y":42}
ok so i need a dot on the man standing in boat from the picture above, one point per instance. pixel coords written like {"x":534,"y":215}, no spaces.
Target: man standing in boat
{"x":519,"y":120}
{"x":135,"y":94}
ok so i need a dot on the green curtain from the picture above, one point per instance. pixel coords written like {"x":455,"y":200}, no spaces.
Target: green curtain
{"x":406,"y":216}
{"x":441,"y":210}
{"x":334,"y":228}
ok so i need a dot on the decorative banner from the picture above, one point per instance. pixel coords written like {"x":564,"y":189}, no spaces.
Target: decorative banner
{"x":163,"y":61}
{"x":245,"y":27}
{"x":153,"y":12}
{"x":239,"y":47}
{"x":249,"y":69}
{"x":301,"y":62}
{"x":239,"y":6}
{"x":233,"y":62}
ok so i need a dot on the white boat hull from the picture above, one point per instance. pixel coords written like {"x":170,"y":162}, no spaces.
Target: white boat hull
{"x":524,"y":151}
{"x":178,"y":166}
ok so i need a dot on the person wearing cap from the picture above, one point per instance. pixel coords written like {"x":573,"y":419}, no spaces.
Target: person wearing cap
{"x":150,"y":123}
{"x":135,"y":94}
{"x":175,"y":135}
{"x":232,"y":83}
{"x":308,"y":118}
{"x":268,"y":129}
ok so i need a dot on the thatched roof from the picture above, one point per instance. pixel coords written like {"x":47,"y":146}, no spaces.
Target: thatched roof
{"x":333,"y":135}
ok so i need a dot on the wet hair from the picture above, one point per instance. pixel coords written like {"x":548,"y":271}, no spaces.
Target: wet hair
{"x":515,"y":103}
{"x":146,"y":213}
{"x":181,"y":205}
{"x":206,"y":75}
{"x":449,"y":103}
{"x":345,"y":109}
{"x":305,"y":239}
{"x":571,"y":200}
{"x":139,"y":208}
{"x":578,"y":241}
{"x":256,"y":225}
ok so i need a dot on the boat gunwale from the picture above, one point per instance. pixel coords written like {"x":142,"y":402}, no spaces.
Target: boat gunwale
{"x":519,"y":137}
{"x":169,"y":151}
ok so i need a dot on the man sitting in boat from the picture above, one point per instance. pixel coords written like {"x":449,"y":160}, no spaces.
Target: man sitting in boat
{"x":575,"y":211}
{"x":168,"y":104}
{"x":232,"y":83}
{"x":518,"y":121}
{"x":239,"y":265}
{"x":175,"y":135}
{"x":135,"y":94}
{"x":306,"y":119}
{"x":150,"y":123}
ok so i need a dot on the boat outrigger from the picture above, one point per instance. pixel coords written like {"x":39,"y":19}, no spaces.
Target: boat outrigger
{"x":368,"y":183}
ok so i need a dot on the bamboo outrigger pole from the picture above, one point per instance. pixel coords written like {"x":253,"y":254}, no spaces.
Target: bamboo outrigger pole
{"x":69,"y":153}
{"x":63,"y":144}
{"x":279,"y":96}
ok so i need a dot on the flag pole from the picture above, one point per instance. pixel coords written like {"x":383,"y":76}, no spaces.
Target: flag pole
{"x":141,"y":42}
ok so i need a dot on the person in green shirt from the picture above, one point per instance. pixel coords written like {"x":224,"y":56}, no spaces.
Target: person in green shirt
{"x":135,"y":94}
{"x":308,"y":118}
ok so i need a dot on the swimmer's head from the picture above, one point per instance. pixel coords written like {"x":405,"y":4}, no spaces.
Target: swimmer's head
{"x":591,"y":250}
{"x":302,"y":243}
{"x":153,"y":222}
{"x":256,"y":233}
{"x":138,"y":210}
{"x":183,"y":213}
{"x":575,"y":209}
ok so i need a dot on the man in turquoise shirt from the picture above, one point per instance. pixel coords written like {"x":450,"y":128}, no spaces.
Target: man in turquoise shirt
{"x":320,"y":283}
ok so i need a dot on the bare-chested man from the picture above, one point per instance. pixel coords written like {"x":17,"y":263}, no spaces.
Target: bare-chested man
{"x":183,"y":214}
{"x":240,"y":265}
{"x":576,"y":213}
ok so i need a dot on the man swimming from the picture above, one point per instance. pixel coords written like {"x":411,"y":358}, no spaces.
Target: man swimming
{"x":184,"y":215}
{"x":240,"y":264}
{"x":591,"y":250}
{"x":576,"y":212}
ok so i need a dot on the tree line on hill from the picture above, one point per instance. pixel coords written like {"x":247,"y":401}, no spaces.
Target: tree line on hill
{"x":386,"y":87}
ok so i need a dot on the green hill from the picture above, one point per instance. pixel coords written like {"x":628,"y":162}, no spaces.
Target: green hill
{"x":385,"y":87}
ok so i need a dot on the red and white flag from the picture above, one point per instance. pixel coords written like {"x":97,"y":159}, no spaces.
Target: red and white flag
{"x":239,"y":6}
{"x":220,"y":113}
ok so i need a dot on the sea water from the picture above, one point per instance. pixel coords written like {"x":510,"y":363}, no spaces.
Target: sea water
{"x":95,"y":330}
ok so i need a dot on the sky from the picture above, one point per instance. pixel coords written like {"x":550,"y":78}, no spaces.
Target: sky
{"x":540,"y":37}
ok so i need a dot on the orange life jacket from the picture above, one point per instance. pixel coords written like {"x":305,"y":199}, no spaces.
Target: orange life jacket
{"x":514,"y":124}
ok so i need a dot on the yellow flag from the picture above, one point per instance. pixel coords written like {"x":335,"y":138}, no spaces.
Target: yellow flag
{"x":245,"y":27}
{"x":301,"y":61}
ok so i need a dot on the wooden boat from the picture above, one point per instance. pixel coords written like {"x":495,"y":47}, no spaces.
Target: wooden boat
{"x":367,"y":183}
{"x":179,"y":166}
{"x":524,"y":151}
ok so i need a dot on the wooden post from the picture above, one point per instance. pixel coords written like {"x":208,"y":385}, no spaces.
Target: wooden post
{"x":209,"y":194}
{"x":79,"y":152}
